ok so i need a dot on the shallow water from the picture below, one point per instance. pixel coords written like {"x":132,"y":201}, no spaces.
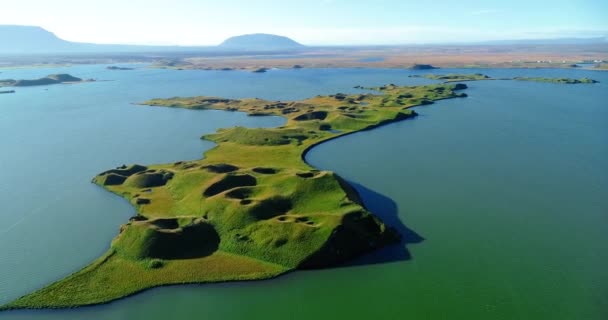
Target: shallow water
{"x":504,"y":193}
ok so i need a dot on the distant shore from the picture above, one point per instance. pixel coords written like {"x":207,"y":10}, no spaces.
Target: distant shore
{"x":589,"y":57}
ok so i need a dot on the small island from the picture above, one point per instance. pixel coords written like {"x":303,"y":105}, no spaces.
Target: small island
{"x":453,"y":77}
{"x":422,"y":67}
{"x":251,"y":209}
{"x":557,"y":80}
{"x":115,"y":68}
{"x":48,"y":80}
{"x":478,"y":77}
{"x":7,"y":91}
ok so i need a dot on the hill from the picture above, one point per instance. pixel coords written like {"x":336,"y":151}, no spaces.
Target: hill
{"x":15,"y":39}
{"x":36,"y":40}
{"x":260,"y":41}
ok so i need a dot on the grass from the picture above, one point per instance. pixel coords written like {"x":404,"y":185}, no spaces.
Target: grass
{"x":251,"y":209}
{"x":557,"y":80}
{"x":453,"y":77}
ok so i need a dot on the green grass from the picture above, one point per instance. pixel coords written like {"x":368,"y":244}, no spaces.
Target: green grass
{"x":454,"y":77}
{"x":251,"y":209}
{"x":557,"y":80}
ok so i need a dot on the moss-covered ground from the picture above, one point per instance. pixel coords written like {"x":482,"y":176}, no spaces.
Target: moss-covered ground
{"x":251,"y":209}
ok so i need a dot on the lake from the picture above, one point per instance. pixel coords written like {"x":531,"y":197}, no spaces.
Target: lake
{"x":502,"y":195}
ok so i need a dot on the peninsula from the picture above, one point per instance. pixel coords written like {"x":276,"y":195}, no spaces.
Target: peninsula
{"x":251,"y":209}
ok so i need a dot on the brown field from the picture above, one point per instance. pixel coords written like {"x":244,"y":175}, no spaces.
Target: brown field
{"x":467,"y":56}
{"x":553,"y":56}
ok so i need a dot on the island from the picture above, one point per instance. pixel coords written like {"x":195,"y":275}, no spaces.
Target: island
{"x":115,"y":68}
{"x":7,"y":91}
{"x":453,"y":77}
{"x":260,"y":70}
{"x":50,"y":79}
{"x":557,"y":80}
{"x":478,"y":76}
{"x":422,"y":67}
{"x":251,"y":209}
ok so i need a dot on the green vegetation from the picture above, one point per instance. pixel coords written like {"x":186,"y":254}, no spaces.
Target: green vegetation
{"x":50,"y":79}
{"x":478,"y":76}
{"x":251,"y":209}
{"x":557,"y":80}
{"x":455,"y":77}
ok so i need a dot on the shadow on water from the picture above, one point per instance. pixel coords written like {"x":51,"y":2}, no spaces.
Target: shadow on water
{"x":386,"y":209}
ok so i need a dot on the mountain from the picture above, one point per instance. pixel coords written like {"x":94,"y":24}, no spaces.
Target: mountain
{"x":36,"y":40}
{"x":22,"y":39}
{"x":259,"y":41}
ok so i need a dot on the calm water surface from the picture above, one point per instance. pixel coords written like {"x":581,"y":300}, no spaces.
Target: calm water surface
{"x":504,"y":193}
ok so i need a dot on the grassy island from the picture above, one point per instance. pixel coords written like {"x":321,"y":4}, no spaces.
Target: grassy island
{"x":455,"y":77}
{"x":557,"y":80}
{"x":478,"y":77}
{"x":251,"y":209}
{"x":50,"y":79}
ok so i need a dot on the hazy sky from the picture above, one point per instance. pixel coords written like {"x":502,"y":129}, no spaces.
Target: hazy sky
{"x":206,"y":22}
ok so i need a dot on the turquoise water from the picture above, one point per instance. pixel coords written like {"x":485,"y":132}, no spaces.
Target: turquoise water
{"x":503,"y":194}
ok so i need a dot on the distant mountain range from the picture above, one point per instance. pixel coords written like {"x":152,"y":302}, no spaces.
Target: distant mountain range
{"x":36,"y":40}
{"x":32,"y":39}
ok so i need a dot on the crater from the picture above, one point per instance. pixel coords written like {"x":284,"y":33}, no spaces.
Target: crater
{"x":230,"y":182}
{"x":315,"y":115}
{"x":265,"y":170}
{"x":271,"y":207}
{"x":239,"y":193}
{"x":220,"y":168}
{"x":149,"y":179}
{"x":165,"y":239}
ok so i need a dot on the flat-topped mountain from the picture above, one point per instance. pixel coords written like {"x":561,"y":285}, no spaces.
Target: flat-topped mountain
{"x":260,"y":41}
{"x":36,"y":40}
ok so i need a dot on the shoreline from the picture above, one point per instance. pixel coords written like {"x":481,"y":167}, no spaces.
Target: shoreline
{"x":303,"y":157}
{"x":398,"y":116}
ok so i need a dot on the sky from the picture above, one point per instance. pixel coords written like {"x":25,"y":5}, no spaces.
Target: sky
{"x":312,"y":22}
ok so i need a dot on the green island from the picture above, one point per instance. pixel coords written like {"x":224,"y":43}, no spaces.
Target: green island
{"x":454,"y":77}
{"x":557,"y":80}
{"x":50,"y":79}
{"x":251,"y":209}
